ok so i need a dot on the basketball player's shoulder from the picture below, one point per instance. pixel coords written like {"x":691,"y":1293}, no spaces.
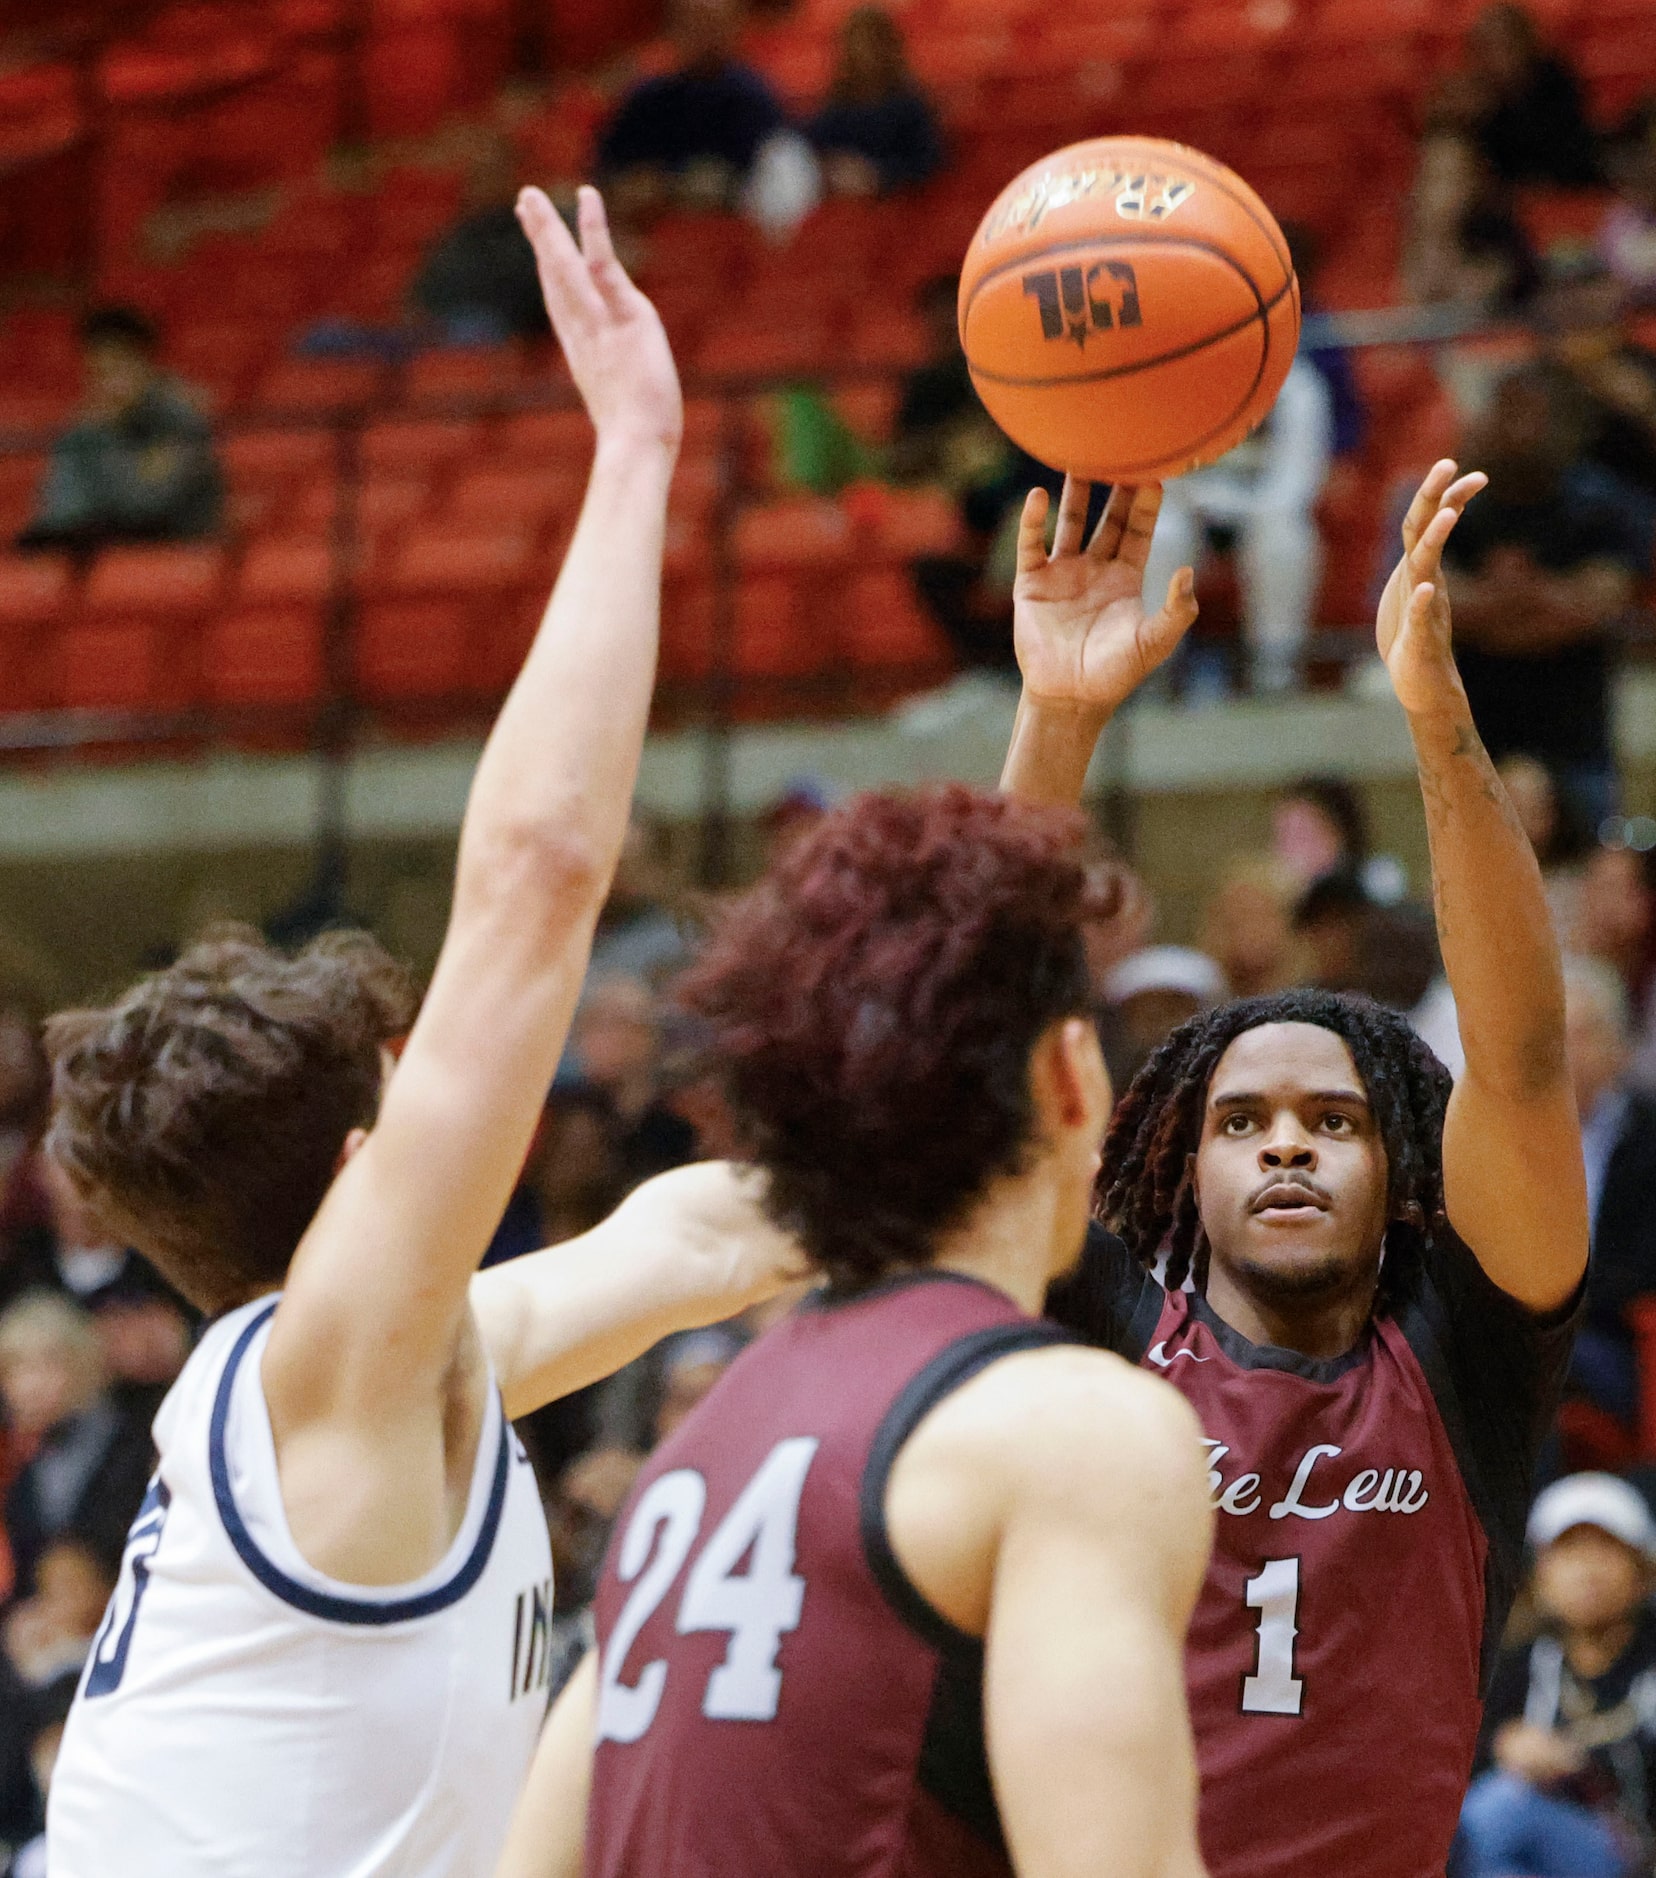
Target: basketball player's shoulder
{"x":1071,"y":1424}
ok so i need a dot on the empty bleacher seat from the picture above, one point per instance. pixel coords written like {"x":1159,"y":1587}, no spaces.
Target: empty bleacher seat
{"x":161,"y":580}
{"x":270,"y":655}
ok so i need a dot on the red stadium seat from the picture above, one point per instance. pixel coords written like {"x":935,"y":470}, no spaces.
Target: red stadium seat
{"x":172,"y":581}
{"x":320,"y":387}
{"x":514,"y":496}
{"x":124,"y":665}
{"x":800,"y":533}
{"x":471,"y":562}
{"x":779,"y":629}
{"x":735,"y":352}
{"x":279,"y":458}
{"x":909,"y":523}
{"x":413,"y":650}
{"x":1368,"y":22}
{"x":34,"y":589}
{"x":688,"y":614}
{"x":289,"y":570}
{"x":263,"y":655}
{"x":547,"y":439}
{"x":415,"y":447}
{"x":463,"y":374}
{"x":884,"y":626}
{"x":20,"y":479}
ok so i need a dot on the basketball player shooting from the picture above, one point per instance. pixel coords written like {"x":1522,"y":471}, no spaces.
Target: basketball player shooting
{"x":908,"y":1591}
{"x":1371,"y":1279}
{"x":327,"y":1651}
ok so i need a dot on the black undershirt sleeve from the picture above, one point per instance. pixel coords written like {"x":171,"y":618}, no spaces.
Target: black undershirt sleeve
{"x":1109,"y":1300}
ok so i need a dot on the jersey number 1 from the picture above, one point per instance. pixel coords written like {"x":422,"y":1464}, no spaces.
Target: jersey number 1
{"x":1273,"y":1688}
{"x":758,"y":1607}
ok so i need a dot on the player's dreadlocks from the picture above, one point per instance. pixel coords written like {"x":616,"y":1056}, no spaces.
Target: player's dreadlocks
{"x":1146,"y":1193}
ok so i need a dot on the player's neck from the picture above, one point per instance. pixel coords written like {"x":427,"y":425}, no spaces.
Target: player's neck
{"x":1009,"y":1240}
{"x":1321,"y":1328}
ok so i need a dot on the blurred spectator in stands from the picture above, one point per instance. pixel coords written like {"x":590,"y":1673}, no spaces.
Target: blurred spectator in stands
{"x":145,"y":1331}
{"x":1319,"y":826}
{"x":1247,"y":926}
{"x":1147,"y":996}
{"x":1627,"y":240}
{"x":1464,"y":245}
{"x":1616,"y":922}
{"x":21,"y":1813}
{"x":641,"y":929}
{"x":1261,"y":499}
{"x":1554,"y":834}
{"x":616,"y":1043}
{"x":575,"y":1173}
{"x":49,"y":1634}
{"x":1590,"y":347}
{"x":44,"y":1714}
{"x":25,"y":1209}
{"x":1348,"y":419}
{"x":877,"y":130}
{"x":1541,"y":568}
{"x":1522,"y":102}
{"x":795,"y":812}
{"x":1330,"y":920}
{"x":694,"y":135}
{"x":1566,"y":1766}
{"x":477,"y":281}
{"x":1618,"y":1140}
{"x":943,"y":436}
{"x":88,"y":1463}
{"x":138,"y":464}
{"x":690,"y":1365}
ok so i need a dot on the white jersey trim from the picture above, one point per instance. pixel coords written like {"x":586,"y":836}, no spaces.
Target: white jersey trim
{"x":325,"y":1598}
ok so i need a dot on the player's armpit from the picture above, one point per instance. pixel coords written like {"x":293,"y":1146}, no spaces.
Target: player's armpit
{"x":548,"y":1836}
{"x":690,"y":1247}
{"x":1099,"y":1564}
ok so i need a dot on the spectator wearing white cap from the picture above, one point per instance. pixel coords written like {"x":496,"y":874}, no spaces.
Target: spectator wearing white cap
{"x":1567,"y":1780}
{"x":1147,"y":996}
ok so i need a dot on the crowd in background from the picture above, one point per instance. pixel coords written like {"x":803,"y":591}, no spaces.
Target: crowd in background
{"x":1544,"y":570}
{"x":89,"y":1339}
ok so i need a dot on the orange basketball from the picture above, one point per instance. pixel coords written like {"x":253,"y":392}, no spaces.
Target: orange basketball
{"x":1128,"y":309}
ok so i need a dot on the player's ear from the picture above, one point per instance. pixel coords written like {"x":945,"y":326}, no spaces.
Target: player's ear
{"x":1072,"y":1082}
{"x":353,"y":1141}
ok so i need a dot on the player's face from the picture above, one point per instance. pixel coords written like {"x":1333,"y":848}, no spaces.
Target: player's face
{"x":1291,"y":1171}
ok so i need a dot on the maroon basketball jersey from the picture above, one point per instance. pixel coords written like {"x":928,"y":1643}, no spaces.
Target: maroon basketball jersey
{"x":774,"y":1695}
{"x":1368,"y":1543}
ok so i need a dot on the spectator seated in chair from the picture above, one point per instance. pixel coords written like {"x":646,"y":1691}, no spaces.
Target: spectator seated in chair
{"x":1522,"y":102}
{"x":138,"y":463}
{"x":693,"y":135}
{"x":477,"y":282}
{"x":1566,"y":1769}
{"x":1618,"y":1138}
{"x":1627,"y":240}
{"x":876,"y":130}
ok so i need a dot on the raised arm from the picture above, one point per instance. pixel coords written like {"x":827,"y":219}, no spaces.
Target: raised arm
{"x":358,"y":1369}
{"x":1512,"y":1166}
{"x":1083,"y":638}
{"x":690,"y":1247}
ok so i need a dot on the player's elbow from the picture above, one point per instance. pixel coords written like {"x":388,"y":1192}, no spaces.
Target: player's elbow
{"x":537,"y":862}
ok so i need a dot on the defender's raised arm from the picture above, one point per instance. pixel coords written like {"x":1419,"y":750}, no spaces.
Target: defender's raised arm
{"x":370,"y":1325}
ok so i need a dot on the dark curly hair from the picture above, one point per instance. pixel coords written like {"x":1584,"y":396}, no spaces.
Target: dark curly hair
{"x":1145,"y":1191}
{"x":872,"y":1004}
{"x":202,"y":1114}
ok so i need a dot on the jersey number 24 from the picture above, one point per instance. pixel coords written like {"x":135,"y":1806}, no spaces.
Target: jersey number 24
{"x":758,"y":1607}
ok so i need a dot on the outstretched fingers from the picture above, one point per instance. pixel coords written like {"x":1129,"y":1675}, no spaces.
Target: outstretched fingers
{"x":1072,"y":517}
{"x":1178,"y":613}
{"x":1136,"y":537}
{"x":607,"y":273}
{"x":1427,"y":498}
{"x":1032,"y":550}
{"x":1426,"y":556}
{"x":564,"y":276}
{"x":1112,"y":524}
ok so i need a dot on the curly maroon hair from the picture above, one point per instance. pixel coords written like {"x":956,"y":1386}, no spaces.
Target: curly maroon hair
{"x":872,"y":1005}
{"x":203,"y":1113}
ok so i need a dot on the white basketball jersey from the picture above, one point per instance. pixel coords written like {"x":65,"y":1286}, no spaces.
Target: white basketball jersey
{"x":242,"y":1716}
